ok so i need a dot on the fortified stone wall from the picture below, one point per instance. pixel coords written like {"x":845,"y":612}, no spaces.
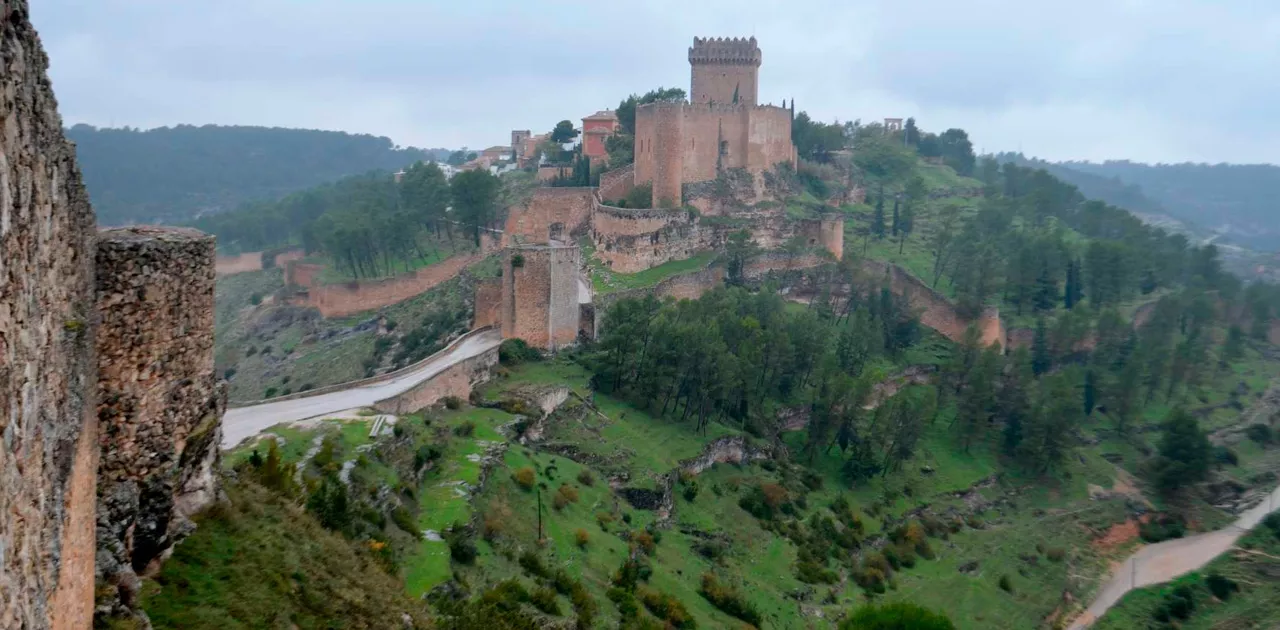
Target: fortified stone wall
{"x":302,"y":274}
{"x":540,"y":295}
{"x":48,"y":455}
{"x":456,"y":380}
{"x":617,"y":183}
{"x":766,"y":262}
{"x":553,"y":213}
{"x":695,"y":142}
{"x":488,"y":305}
{"x":160,"y":403}
{"x":936,"y":311}
{"x":340,"y":300}
{"x":630,"y":240}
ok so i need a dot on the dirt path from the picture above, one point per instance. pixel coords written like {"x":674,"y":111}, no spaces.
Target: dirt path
{"x":1165,"y":561}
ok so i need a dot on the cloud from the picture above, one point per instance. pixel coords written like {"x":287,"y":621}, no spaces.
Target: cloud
{"x":1153,"y":80}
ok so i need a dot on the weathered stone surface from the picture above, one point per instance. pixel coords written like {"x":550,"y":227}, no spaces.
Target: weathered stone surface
{"x":539,"y":301}
{"x":47,"y":450}
{"x":160,"y":403}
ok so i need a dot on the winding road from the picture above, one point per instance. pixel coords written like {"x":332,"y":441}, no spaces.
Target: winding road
{"x":242,"y":422}
{"x":1167,"y":560}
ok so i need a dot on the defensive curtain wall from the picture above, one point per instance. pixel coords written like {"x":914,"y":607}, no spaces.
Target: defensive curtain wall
{"x":551,"y":214}
{"x":340,"y":300}
{"x":630,"y":240}
{"x":936,"y":311}
{"x":111,"y":406}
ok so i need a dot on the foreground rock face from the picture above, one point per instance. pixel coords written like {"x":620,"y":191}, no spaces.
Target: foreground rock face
{"x":160,"y":404}
{"x":48,"y":452}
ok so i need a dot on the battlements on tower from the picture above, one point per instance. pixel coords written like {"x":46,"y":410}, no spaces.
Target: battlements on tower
{"x":725,"y":50}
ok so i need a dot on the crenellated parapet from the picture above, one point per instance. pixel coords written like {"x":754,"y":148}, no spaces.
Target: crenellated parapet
{"x":160,"y":403}
{"x":725,"y":50}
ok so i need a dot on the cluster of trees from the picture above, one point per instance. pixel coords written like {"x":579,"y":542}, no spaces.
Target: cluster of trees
{"x":367,"y":223}
{"x":175,"y":174}
{"x":734,"y":356}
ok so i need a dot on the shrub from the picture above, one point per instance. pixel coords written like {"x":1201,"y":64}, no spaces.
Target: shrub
{"x":1056,"y":554}
{"x":544,"y":599}
{"x":1272,"y":522}
{"x":690,"y":491}
{"x":1006,"y":584}
{"x":896,"y":616}
{"x":581,"y":537}
{"x":1221,"y":586}
{"x":228,"y":373}
{"x":525,"y":477}
{"x":270,"y":393}
{"x":1163,"y":527}
{"x":811,"y":572}
{"x":1225,"y":456}
{"x":1260,"y":433}
{"x":1178,"y":604}
{"x":604,"y":519}
{"x":515,"y":351}
{"x":461,"y":548}
{"x":495,"y":520}
{"x":466,"y":429}
{"x":404,"y":520}
{"x":532,"y":564}
{"x":255,"y":299}
{"x":452,"y":402}
{"x":565,"y":495}
{"x":644,"y":541}
{"x":729,"y":600}
{"x":666,"y":607}
{"x":586,"y":478}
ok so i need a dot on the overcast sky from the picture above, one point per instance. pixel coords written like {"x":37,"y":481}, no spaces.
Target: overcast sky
{"x":1148,"y":80}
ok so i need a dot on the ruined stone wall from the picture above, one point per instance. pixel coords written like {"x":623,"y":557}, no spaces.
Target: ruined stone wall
{"x":764,"y":263}
{"x":456,"y":380}
{"x":826,"y":232}
{"x":687,"y":286}
{"x":48,"y":455}
{"x":569,"y":208}
{"x":540,"y":295}
{"x":936,"y":311}
{"x":488,"y":303}
{"x":302,"y":274}
{"x":615,"y":184}
{"x":629,"y":240}
{"x":160,"y":403}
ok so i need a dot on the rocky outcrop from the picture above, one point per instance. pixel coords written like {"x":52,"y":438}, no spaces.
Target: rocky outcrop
{"x":160,"y":404}
{"x":48,"y":452}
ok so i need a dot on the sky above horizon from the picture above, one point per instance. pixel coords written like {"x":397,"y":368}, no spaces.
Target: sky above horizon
{"x":1145,"y":80}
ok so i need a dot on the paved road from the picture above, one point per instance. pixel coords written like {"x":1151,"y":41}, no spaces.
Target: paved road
{"x":244,"y":422}
{"x":1165,"y":561}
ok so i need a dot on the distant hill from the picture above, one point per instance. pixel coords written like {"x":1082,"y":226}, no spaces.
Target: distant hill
{"x":175,"y":174}
{"x":1239,"y":200}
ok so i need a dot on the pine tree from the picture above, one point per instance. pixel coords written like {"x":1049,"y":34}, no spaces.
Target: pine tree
{"x":1074,"y":290}
{"x":1045,"y":294}
{"x":877,"y":221}
{"x":1184,"y":453}
{"x":897,"y":221}
{"x":1014,"y":404}
{"x":1041,"y":359}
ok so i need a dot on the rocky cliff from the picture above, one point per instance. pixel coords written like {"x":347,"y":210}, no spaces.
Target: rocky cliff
{"x":48,"y":451}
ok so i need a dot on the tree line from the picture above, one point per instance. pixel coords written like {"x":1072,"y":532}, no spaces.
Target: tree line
{"x":175,"y":174}
{"x":369,"y":223}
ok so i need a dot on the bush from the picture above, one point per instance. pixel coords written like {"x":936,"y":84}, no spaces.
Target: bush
{"x":452,"y":402}
{"x":586,"y":478}
{"x":565,"y":495}
{"x":466,"y":429}
{"x":525,"y":477}
{"x":1225,"y":456}
{"x":515,"y":351}
{"x":1056,"y":554}
{"x":461,"y":548}
{"x":604,"y":519}
{"x":544,"y":599}
{"x":495,"y":520}
{"x":1006,"y":584}
{"x":270,"y":393}
{"x":811,"y":572}
{"x":1221,"y":586}
{"x":1260,"y":433}
{"x":666,"y":607}
{"x":532,"y":564}
{"x":896,"y":616}
{"x":1272,"y":522}
{"x":644,"y":541}
{"x":1163,"y":527}
{"x":404,"y":520}
{"x":228,"y":373}
{"x":690,"y":491}
{"x":1178,"y":604}
{"x":255,"y":299}
{"x":729,"y":600}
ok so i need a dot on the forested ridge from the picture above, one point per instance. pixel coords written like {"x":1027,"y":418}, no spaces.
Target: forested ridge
{"x":1242,"y":196}
{"x":174,"y":174}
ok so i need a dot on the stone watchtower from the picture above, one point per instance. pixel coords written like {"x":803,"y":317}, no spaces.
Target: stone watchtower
{"x":725,"y":70}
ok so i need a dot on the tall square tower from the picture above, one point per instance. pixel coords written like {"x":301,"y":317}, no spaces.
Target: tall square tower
{"x":725,"y":70}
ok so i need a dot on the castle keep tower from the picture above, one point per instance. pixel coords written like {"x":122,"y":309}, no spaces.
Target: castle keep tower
{"x":724,"y":70}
